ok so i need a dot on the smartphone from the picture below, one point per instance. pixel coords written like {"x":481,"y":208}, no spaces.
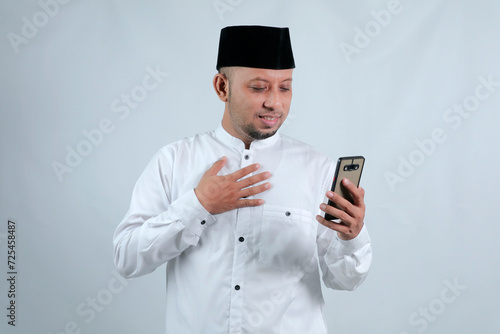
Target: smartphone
{"x":350,"y":168}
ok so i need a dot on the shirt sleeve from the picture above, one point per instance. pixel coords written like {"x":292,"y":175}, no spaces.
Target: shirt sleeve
{"x":344,"y":263}
{"x":156,"y":228}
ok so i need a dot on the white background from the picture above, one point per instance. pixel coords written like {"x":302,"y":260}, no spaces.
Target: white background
{"x":432,"y":203}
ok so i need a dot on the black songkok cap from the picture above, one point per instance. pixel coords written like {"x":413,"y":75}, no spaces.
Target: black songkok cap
{"x":255,"y":46}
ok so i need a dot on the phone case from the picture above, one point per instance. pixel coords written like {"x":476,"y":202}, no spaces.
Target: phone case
{"x":350,"y":168}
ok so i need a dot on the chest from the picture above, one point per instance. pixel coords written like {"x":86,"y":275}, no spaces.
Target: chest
{"x":295,"y":181}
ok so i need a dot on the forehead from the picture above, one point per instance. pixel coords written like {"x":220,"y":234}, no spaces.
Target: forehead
{"x":261,"y":74}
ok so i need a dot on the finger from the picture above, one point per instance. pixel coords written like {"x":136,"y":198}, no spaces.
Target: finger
{"x":359,"y":197}
{"x":339,"y":227}
{"x":357,"y":194}
{"x":341,"y":202}
{"x":244,"y":171}
{"x":340,"y":214}
{"x":245,"y":202}
{"x":217,"y":166}
{"x":255,"y":190}
{"x":246,"y":182}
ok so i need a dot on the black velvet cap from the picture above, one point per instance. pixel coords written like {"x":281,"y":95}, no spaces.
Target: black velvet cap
{"x":255,"y":46}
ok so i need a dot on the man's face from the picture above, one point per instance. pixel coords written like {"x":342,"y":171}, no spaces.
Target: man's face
{"x":258,"y":102}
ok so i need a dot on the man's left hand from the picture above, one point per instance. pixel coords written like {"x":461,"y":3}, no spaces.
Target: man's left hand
{"x":352,"y":214}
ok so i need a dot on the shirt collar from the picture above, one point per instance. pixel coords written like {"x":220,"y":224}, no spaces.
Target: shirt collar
{"x":226,"y":138}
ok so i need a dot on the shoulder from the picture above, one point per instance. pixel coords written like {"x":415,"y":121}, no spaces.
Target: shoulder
{"x":187,"y":144}
{"x":180,"y":152}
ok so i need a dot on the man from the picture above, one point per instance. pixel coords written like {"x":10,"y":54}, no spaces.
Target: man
{"x":232,"y":211}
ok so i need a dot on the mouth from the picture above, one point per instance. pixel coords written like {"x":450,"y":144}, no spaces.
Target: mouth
{"x":269,"y":121}
{"x":269,"y":118}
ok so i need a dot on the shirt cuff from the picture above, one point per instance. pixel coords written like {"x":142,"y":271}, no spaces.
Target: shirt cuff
{"x":192,"y":214}
{"x":357,"y":243}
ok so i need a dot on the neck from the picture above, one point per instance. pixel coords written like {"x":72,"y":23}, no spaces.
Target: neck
{"x":233,"y":133}
{"x":227,"y":125}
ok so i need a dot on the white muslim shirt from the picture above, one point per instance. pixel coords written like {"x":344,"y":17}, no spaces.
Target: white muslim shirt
{"x":250,"y":270}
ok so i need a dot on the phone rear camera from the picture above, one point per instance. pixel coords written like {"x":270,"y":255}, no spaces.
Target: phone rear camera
{"x":351,"y":167}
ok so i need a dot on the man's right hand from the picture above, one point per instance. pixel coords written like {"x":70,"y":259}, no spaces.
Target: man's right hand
{"x":221,"y":193}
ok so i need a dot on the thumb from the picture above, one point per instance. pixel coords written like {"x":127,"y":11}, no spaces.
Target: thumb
{"x":217,"y":166}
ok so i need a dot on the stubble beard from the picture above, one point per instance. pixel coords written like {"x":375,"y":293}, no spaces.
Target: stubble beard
{"x":248,"y":130}
{"x":255,"y":134}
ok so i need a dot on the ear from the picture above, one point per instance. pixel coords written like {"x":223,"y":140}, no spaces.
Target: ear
{"x":221,"y":86}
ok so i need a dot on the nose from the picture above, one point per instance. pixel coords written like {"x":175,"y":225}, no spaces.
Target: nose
{"x":273,"y":100}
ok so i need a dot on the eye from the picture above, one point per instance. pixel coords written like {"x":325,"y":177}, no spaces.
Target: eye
{"x":257,"y":89}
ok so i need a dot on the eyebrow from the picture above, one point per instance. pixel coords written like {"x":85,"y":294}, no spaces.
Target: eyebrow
{"x":265,"y":80}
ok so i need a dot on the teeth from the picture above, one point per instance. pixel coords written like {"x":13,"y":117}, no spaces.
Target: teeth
{"x":269,"y":118}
